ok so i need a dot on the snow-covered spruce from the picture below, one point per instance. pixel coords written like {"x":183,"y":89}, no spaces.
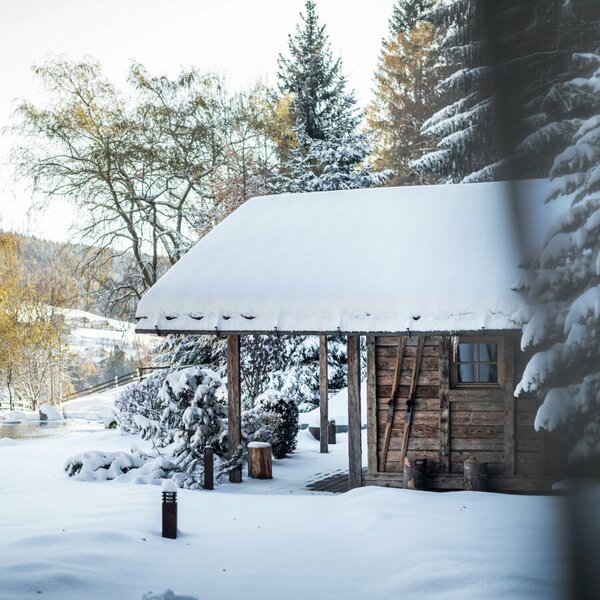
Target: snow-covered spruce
{"x":564,"y":326}
{"x":329,"y":152}
{"x":191,"y":419}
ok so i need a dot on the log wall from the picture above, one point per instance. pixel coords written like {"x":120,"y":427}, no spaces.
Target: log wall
{"x":450,"y":425}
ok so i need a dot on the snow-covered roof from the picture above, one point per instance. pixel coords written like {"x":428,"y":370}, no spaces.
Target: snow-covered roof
{"x":384,"y":260}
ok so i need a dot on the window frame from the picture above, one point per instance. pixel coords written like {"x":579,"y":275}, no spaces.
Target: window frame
{"x":470,"y":339}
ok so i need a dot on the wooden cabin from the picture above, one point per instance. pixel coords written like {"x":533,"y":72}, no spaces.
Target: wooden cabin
{"x":464,"y":408}
{"x":429,"y":274}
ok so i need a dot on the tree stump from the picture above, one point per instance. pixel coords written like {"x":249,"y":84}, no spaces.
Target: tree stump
{"x":475,"y":475}
{"x":414,"y":475}
{"x":260,"y":465}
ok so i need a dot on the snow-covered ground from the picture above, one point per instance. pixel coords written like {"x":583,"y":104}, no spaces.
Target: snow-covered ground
{"x":66,"y":539}
{"x":337,"y":409}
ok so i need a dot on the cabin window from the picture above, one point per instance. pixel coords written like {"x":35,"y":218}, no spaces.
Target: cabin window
{"x":477,"y":362}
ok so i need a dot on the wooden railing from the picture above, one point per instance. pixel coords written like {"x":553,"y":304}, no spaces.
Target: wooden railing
{"x":131,"y":377}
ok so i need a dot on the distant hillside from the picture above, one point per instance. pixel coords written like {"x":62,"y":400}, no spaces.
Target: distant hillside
{"x":104,"y":348}
{"x":67,"y":265}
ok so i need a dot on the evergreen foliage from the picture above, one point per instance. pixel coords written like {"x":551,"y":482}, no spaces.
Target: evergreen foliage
{"x":191,"y":418}
{"x":313,"y":80}
{"x":405,"y":92}
{"x":180,"y":351}
{"x":260,"y":355}
{"x":329,"y":152}
{"x":564,"y":327}
{"x":505,"y":56}
{"x":300,"y":378}
{"x":408,"y":14}
{"x":141,"y":399}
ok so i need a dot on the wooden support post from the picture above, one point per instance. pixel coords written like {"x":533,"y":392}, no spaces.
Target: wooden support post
{"x":414,"y":475}
{"x":354,"y":425}
{"x":371,"y":406}
{"x":509,"y":405}
{"x":445,"y":403}
{"x":234,"y":402}
{"x":475,"y":476}
{"x":323,"y":393}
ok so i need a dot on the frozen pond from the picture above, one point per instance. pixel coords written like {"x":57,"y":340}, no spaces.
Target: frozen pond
{"x":46,"y":429}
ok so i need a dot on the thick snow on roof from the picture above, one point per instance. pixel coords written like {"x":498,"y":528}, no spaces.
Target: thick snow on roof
{"x":421,"y":258}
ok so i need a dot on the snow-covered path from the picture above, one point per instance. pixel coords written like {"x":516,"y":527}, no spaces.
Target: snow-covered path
{"x":64,"y":539}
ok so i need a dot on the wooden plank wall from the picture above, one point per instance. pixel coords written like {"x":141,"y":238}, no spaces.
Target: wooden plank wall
{"x":425,"y":433}
{"x":487,"y":424}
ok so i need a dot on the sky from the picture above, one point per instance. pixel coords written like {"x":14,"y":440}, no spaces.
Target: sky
{"x":239,"y":39}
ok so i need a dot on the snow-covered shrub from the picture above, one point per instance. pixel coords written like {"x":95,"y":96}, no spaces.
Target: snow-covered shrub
{"x":260,"y":426}
{"x":279,"y":414}
{"x":185,"y":418}
{"x":139,"y":400}
{"x":101,"y":466}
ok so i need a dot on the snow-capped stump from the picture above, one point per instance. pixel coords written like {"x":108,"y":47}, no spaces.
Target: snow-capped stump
{"x":260,"y":465}
{"x":49,"y":413}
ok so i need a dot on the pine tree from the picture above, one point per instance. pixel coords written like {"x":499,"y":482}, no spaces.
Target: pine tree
{"x":564,"y":327}
{"x":506,"y":55}
{"x":313,"y":79}
{"x":329,"y":151}
{"x":405,"y":90}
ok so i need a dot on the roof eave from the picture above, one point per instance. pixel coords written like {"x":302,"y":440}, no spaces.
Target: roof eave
{"x":406,"y":332}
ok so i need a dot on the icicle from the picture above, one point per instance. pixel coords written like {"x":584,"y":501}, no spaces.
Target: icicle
{"x":454,"y":347}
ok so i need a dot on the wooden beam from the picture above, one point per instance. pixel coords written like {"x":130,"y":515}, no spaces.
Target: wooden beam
{"x":371,"y":405}
{"x":445,"y":403}
{"x":234,"y":402}
{"x":354,"y":425}
{"x":323,"y":394}
{"x":509,"y":405}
